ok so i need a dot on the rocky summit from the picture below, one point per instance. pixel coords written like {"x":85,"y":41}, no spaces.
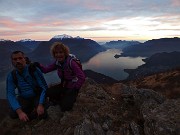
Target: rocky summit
{"x":106,"y":110}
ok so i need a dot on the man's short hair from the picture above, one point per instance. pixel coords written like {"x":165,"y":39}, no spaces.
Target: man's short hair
{"x":16,"y":52}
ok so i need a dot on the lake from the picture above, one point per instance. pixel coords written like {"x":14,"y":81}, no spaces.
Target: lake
{"x":103,"y":62}
{"x":107,"y":64}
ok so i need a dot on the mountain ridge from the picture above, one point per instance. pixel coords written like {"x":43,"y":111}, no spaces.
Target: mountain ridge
{"x":158,"y":62}
{"x":151,"y":47}
{"x":29,"y":47}
{"x":120,"y":44}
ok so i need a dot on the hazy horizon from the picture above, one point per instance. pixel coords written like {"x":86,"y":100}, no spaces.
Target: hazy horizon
{"x":105,"y":40}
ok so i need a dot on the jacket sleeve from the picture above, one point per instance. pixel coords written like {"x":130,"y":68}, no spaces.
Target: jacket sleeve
{"x":11,"y":96}
{"x":78,"y":73}
{"x":41,"y":83}
{"x":47,"y":69}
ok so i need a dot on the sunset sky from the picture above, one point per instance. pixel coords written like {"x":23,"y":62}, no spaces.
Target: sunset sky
{"x":100,"y":20}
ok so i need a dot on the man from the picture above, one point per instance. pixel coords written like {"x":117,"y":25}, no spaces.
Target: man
{"x":27,"y":104}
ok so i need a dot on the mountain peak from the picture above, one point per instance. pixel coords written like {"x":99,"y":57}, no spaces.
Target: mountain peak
{"x":62,"y":36}
{"x":78,"y":37}
{"x":4,"y":40}
{"x":25,"y":40}
{"x":65,"y":36}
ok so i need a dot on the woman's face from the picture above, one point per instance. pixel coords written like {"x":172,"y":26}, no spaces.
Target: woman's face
{"x":59,"y":54}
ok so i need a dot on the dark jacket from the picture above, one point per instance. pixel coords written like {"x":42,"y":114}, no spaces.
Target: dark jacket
{"x":73,"y":76}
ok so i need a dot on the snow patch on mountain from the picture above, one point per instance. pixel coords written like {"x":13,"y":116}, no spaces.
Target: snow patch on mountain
{"x":26,"y":40}
{"x":65,"y":36}
{"x":4,"y":40}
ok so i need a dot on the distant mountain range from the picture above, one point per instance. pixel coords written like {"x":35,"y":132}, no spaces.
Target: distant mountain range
{"x":151,"y":47}
{"x":39,"y":51}
{"x":6,"y":47}
{"x":157,"y":63}
{"x":84,"y":49}
{"x":120,"y":44}
{"x":31,"y":44}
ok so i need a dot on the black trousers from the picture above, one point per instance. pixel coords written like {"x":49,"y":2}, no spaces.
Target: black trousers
{"x":63,"y":96}
{"x":29,"y":106}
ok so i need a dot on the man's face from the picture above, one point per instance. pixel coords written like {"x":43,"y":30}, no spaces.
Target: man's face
{"x":18,"y":61}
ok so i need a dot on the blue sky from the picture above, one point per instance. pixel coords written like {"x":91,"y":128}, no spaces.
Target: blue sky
{"x":100,"y":20}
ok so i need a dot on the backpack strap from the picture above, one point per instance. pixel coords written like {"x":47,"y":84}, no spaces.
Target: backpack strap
{"x":61,"y":67}
{"x":13,"y":73}
{"x":32,"y":69}
{"x":76,"y":60}
{"x":70,"y":62}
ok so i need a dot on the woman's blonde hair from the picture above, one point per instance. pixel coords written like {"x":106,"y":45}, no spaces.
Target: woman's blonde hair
{"x":64,"y":48}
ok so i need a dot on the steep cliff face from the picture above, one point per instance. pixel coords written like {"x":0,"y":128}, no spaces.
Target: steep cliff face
{"x":103,"y":110}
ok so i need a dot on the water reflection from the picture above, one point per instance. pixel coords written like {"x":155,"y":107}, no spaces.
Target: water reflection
{"x":107,"y":64}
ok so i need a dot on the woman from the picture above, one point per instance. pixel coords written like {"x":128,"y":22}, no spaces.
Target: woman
{"x":72,"y":77}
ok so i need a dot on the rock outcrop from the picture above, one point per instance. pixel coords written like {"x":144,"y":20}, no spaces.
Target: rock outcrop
{"x":122,"y":110}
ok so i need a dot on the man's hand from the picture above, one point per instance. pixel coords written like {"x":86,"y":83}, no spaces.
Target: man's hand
{"x":40,"y":109}
{"x":22,"y":115}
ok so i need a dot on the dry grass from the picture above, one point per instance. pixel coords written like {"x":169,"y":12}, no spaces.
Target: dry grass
{"x":166,"y":83}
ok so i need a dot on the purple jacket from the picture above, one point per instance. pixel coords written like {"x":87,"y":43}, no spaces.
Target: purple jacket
{"x":74,"y":77}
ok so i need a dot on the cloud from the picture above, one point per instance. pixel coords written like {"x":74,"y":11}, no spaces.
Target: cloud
{"x":176,"y":3}
{"x":87,"y":16}
{"x":73,"y":9}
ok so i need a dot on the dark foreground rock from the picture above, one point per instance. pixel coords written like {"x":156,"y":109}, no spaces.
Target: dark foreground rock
{"x":4,"y":108}
{"x":104,"y":111}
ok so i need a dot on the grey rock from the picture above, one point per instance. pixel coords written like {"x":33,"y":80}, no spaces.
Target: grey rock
{"x":97,"y":113}
{"x":55,"y":113}
{"x":88,"y":127}
{"x":139,"y":96}
{"x":164,"y":119}
{"x":134,"y":128}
